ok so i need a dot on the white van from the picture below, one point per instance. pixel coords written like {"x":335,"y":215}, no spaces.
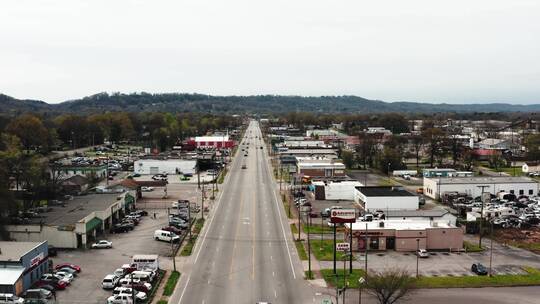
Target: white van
{"x":143,"y":275}
{"x":10,"y":298}
{"x":110,"y":281}
{"x":166,"y":236}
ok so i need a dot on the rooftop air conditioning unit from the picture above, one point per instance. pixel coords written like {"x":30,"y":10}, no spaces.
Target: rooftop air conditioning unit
{"x":381,"y":224}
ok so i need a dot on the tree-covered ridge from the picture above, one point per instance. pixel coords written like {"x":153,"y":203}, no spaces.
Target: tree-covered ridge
{"x":182,"y":102}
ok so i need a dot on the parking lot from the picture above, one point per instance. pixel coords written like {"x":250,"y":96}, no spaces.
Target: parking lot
{"x":97,"y":263}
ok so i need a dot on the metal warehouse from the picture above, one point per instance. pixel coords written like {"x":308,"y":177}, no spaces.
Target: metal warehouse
{"x":21,"y":265}
{"x":169,"y":166}
{"x":437,"y":187}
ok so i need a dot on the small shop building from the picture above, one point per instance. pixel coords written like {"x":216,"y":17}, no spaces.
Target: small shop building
{"x":21,"y":265}
{"x":404,"y":235}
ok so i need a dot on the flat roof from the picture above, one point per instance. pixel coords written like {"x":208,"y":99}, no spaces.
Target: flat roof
{"x":10,"y":275}
{"x":439,"y":170}
{"x":423,"y":213}
{"x":384,"y":191}
{"x":398,"y":225}
{"x":77,"y":209}
{"x":13,"y":251}
{"x":483,"y":180}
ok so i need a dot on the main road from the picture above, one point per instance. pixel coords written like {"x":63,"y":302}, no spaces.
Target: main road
{"x":245,"y":253}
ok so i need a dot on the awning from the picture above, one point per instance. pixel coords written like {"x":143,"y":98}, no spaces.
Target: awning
{"x":93,"y":224}
{"x":129,"y":199}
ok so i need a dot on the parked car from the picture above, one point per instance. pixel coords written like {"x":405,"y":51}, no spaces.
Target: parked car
{"x":166,"y":236}
{"x":102,"y":244}
{"x":172,"y":229}
{"x":129,"y":268}
{"x":10,"y":298}
{"x":139,"y":295}
{"x":136,"y":284}
{"x":120,"y":299}
{"x":37,"y":294}
{"x":422,"y":253}
{"x":147,"y":189}
{"x":72,"y":266}
{"x":479,"y":269}
{"x":51,"y":277}
{"x":64,"y":276}
{"x":109,"y":282}
{"x":244,"y":167}
{"x":119,"y":228}
{"x":71,"y":271}
{"x":54,"y":282}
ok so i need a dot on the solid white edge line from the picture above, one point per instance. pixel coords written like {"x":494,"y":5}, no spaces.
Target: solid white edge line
{"x":283,"y":230}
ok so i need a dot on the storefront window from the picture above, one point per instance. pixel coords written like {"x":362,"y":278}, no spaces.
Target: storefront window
{"x":374,"y":243}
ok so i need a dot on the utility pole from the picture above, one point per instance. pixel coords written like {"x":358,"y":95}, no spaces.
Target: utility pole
{"x":366,"y":245}
{"x":299,"y":222}
{"x":350,"y":248}
{"x":417,"y":259}
{"x":202,"y":202}
{"x":335,"y":255}
{"x":491,"y":252}
{"x":173,"y":254}
{"x":481,"y":214}
{"x":309,"y":246}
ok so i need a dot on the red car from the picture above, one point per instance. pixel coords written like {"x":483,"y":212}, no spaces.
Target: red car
{"x":72,"y":266}
{"x":172,"y":229}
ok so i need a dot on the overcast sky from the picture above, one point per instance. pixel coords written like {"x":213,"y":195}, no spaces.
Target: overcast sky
{"x":457,"y":51}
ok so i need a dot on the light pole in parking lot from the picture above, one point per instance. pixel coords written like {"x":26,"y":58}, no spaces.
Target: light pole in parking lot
{"x":481,"y":214}
{"x":202,"y":202}
{"x":173,"y":254}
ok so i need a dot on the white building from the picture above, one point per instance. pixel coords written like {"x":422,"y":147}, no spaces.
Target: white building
{"x":436,"y":187}
{"x":336,"y":190}
{"x":385,"y":198}
{"x":170,"y":166}
{"x":437,"y":215}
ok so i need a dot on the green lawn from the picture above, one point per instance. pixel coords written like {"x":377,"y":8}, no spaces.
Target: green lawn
{"x":188,"y":247}
{"x":327,"y":252}
{"x":385,"y":181}
{"x":198,"y":226}
{"x":294,"y":230}
{"x":162,"y":301}
{"x":309,"y":276}
{"x":222,"y":175}
{"x":171,"y":283}
{"x":472,"y":247}
{"x":317,"y":229}
{"x":352,"y":279}
{"x":531,"y":278}
{"x":301,"y":250}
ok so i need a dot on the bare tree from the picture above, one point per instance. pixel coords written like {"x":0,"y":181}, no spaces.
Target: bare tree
{"x":389,"y":286}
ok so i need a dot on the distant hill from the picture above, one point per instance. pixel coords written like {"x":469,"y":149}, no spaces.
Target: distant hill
{"x":177,"y":102}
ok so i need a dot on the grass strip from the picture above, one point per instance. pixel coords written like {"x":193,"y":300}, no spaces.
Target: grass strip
{"x":324,"y":251}
{"x":317,"y":229}
{"x":162,"y":301}
{"x":301,"y":250}
{"x":532,"y":277}
{"x":188,"y":247}
{"x":470,"y":247}
{"x":351,"y":279}
{"x":222,"y":175}
{"x":171,"y":283}
{"x":309,"y":276}
{"x":294,"y":230}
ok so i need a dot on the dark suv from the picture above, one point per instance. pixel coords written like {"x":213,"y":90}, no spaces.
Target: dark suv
{"x":479,"y":269}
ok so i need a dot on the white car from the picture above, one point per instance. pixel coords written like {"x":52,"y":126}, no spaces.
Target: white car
{"x":102,"y":244}
{"x":139,"y":295}
{"x":147,"y":189}
{"x":120,"y":299}
{"x":50,"y":276}
{"x":422,"y":253}
{"x":64,"y":275}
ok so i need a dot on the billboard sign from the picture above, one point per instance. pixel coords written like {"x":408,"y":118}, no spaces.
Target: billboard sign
{"x":343,"y":216}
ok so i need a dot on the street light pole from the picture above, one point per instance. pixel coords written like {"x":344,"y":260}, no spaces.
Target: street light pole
{"x":309,"y":246}
{"x":366,"y":245}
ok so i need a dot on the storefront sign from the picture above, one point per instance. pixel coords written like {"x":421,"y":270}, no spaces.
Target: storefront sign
{"x":34,"y":261}
{"x":342,"y":247}
{"x":343,"y":216}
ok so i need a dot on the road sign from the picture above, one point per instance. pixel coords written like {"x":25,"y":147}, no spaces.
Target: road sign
{"x":342,"y":247}
{"x":361,"y":280}
{"x":326,"y":301}
{"x":343,"y":215}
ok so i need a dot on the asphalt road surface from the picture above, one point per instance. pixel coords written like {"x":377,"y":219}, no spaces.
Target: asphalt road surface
{"x":246,"y":254}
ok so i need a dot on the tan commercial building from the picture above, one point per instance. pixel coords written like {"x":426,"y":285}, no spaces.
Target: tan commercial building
{"x":405,"y":235}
